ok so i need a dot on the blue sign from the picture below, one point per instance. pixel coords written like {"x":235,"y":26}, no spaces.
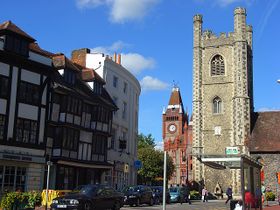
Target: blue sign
{"x":137,"y":164}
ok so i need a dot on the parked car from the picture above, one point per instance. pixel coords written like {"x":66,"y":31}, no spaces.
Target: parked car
{"x":137,"y":195}
{"x":158,"y":194}
{"x":178,"y":193}
{"x":90,"y":197}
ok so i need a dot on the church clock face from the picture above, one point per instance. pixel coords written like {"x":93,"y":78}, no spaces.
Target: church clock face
{"x":172,"y":128}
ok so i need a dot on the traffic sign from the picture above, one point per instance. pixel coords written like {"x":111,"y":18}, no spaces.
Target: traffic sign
{"x":137,"y":164}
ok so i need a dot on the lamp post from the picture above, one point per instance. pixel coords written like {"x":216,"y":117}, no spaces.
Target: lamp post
{"x":49,"y":164}
{"x":278,"y":80}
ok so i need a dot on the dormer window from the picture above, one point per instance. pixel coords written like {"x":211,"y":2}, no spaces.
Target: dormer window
{"x":69,"y":76}
{"x":16,"y":45}
{"x":97,"y":88}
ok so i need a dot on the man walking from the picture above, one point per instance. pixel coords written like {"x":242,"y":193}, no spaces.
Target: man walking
{"x":229,"y":193}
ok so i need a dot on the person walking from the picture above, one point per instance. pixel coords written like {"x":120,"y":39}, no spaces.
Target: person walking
{"x":204,"y":194}
{"x":229,"y":193}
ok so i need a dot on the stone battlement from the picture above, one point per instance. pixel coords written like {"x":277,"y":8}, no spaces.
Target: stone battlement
{"x":197,"y":17}
{"x":240,"y":11}
{"x":208,"y":34}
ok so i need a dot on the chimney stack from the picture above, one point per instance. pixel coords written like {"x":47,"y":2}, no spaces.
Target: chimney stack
{"x":79,"y":56}
{"x":119,"y":59}
{"x":115,"y":57}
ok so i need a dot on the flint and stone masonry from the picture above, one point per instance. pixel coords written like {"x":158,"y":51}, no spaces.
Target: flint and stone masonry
{"x":233,"y":87}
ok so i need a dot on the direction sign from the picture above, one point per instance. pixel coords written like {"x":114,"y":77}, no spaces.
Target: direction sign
{"x":137,"y":164}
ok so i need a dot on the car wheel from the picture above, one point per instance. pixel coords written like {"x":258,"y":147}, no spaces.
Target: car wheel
{"x":138,"y":202}
{"x":151,"y":202}
{"x":157,"y":201}
{"x":87,"y":206}
{"x":117,"y":206}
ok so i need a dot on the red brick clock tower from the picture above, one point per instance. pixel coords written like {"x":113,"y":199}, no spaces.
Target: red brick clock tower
{"x":176,"y":138}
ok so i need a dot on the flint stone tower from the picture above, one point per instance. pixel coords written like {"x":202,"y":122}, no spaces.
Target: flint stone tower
{"x":222,"y":96}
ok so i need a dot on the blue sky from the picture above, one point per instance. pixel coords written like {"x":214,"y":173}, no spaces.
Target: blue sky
{"x":155,"y":39}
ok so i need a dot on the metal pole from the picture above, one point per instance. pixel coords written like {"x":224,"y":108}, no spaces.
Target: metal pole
{"x":164,"y":182}
{"x":47,"y":186}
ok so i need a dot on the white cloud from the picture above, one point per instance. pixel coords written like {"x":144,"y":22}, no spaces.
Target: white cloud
{"x":133,"y":62}
{"x":150,"y":83}
{"x":121,"y":10}
{"x":159,"y":145}
{"x":224,"y":3}
{"x":90,"y":3}
{"x":136,"y":63}
{"x":125,"y":10}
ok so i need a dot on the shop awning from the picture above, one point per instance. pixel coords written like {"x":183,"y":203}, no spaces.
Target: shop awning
{"x":221,"y":162}
{"x":84,"y":165}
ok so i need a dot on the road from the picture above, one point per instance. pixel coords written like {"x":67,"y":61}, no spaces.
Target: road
{"x":196,"y":205}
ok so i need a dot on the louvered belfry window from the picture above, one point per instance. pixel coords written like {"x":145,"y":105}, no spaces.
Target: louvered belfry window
{"x":217,"y":66}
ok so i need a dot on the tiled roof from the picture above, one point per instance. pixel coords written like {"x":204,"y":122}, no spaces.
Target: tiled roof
{"x":265,"y":136}
{"x":36,"y":48}
{"x":9,"y":26}
{"x":175,"y":98}
{"x":61,"y":61}
{"x":90,"y":75}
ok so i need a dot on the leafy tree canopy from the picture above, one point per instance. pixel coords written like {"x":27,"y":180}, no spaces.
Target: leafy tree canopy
{"x":146,"y":141}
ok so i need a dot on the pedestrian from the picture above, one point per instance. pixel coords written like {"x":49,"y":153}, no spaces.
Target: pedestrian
{"x":204,"y":194}
{"x":239,"y":205}
{"x":229,"y":193}
{"x":187,"y":196}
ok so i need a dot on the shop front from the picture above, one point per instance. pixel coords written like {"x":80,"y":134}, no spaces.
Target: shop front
{"x":250,"y":171}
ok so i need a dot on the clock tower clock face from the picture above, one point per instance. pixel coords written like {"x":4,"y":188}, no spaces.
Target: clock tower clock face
{"x":172,"y":128}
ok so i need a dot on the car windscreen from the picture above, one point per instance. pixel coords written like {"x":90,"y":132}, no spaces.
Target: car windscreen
{"x":88,"y":190}
{"x":173,"y":190}
{"x":131,"y":189}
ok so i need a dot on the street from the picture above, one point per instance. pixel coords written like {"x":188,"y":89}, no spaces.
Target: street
{"x":196,"y":205}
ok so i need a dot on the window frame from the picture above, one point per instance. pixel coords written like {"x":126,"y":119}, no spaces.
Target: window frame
{"x":24,"y":135}
{"x":217,"y":68}
{"x":217,"y":105}
{"x":4,"y":86}
{"x":29,"y":93}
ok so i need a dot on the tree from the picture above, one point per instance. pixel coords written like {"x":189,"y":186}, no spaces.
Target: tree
{"x":152,"y":161}
{"x":146,"y":141}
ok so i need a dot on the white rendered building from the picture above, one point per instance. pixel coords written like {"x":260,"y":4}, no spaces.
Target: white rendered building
{"x":124,"y":89}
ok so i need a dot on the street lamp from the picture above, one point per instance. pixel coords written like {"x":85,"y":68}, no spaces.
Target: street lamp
{"x":278,"y":80}
{"x":49,"y":164}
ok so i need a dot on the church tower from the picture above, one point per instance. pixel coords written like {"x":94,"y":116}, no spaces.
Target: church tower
{"x":175,"y":136}
{"x":222,"y":96}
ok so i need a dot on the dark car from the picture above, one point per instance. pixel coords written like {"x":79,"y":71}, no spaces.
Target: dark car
{"x":158,"y":194}
{"x":137,"y":195}
{"x":90,"y":197}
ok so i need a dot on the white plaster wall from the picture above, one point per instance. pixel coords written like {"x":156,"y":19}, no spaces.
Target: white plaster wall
{"x":4,"y":69}
{"x":107,"y":71}
{"x":3,"y":106}
{"x":31,"y":77}
{"x":27,"y":111}
{"x":42,"y":125}
{"x":12,"y":103}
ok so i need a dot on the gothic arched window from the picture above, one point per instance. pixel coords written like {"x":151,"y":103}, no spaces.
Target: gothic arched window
{"x":217,"y":105}
{"x":217,"y":66}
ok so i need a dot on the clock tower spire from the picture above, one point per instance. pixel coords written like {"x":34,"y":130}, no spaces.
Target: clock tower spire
{"x":175,"y":136}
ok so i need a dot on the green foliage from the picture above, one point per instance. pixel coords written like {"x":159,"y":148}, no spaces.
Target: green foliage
{"x":270,"y":196}
{"x":21,"y":200}
{"x":146,"y":141}
{"x":195,"y":195}
{"x":152,"y":165}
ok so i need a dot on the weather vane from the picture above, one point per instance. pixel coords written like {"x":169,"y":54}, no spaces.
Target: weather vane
{"x":175,"y":84}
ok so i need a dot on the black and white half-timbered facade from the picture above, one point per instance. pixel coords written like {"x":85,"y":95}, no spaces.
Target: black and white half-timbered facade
{"x":79,"y":124}
{"x":50,"y":109}
{"x":24,"y":73}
